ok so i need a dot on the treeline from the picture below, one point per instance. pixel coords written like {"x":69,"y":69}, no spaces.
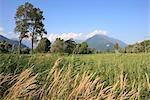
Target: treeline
{"x":71,"y":47}
{"x":45,"y":46}
{"x":61,"y":46}
{"x":140,"y":47}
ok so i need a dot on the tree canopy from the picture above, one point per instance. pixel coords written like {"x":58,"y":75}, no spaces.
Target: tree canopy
{"x":29,"y":22}
{"x":58,"y":46}
{"x":69,"y":46}
{"x":43,"y":46}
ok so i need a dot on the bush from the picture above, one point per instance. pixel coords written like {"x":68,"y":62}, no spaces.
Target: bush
{"x":25,"y":51}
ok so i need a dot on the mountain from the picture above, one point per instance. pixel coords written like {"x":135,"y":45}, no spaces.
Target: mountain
{"x":15,"y":43}
{"x":104,"y":43}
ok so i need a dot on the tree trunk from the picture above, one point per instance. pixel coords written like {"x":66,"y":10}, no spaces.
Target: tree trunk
{"x":32,"y":44}
{"x":20,"y":46}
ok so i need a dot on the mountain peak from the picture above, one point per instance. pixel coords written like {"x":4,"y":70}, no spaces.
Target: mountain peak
{"x":101,"y":42}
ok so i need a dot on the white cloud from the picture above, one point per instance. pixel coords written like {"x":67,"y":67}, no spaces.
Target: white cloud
{"x":52,"y":36}
{"x":65,"y":36}
{"x":101,"y":32}
{"x":76,"y":36}
{"x":71,"y":35}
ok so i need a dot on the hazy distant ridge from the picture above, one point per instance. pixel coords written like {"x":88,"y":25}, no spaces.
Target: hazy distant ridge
{"x":15,"y":43}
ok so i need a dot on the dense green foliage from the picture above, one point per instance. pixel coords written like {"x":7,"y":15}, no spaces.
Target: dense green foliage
{"x":143,"y":46}
{"x":25,"y":50}
{"x":21,"y":20}
{"x":58,"y":46}
{"x":70,"y":45}
{"x":43,"y":46}
{"x":82,"y":49}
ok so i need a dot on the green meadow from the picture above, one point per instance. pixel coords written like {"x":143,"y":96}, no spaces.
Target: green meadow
{"x":69,"y":77}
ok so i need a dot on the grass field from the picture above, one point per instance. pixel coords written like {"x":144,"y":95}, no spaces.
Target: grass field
{"x":75,"y":77}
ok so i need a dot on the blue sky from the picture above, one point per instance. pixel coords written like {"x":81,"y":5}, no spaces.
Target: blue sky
{"x":126,"y":20}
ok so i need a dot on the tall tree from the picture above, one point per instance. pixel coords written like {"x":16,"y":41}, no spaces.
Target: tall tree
{"x":22,"y":19}
{"x":29,"y":22}
{"x":36,"y":25}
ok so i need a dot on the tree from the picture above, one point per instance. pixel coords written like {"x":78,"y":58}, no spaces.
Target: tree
{"x":93,"y":50}
{"x":58,"y":46}
{"x":36,"y":25}
{"x":43,"y":46}
{"x":29,"y":22}
{"x":76,"y":50}
{"x":22,"y":19}
{"x":69,"y":46}
{"x":82,"y":48}
{"x":116,"y":46}
{"x":146,"y":45}
{"x":143,"y":46}
{"x":25,"y":51}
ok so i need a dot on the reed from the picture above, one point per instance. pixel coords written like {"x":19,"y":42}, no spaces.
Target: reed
{"x":60,"y":83}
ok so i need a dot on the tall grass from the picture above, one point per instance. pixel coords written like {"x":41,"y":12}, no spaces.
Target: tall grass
{"x":61,"y":84}
{"x":78,"y":77}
